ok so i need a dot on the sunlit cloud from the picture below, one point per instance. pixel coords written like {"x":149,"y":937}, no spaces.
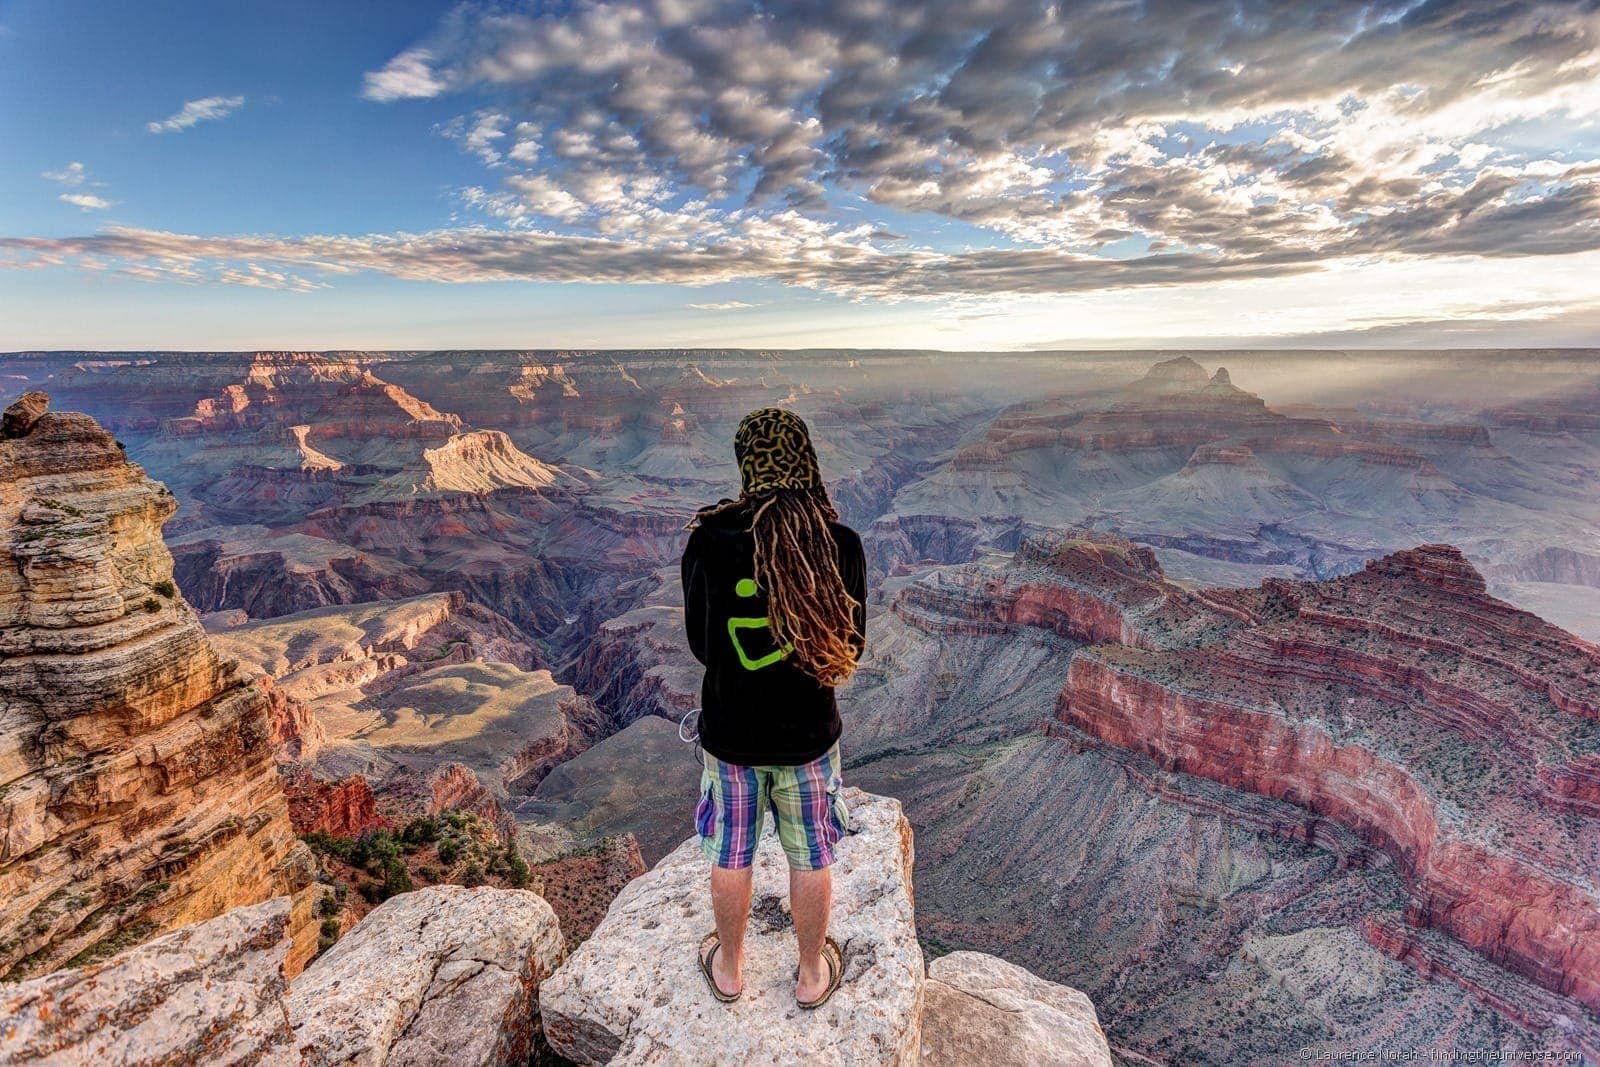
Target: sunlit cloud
{"x":85,"y":201}
{"x":1011,"y":153}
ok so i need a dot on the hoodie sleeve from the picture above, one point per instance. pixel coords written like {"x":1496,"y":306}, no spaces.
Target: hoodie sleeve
{"x":853,"y":569}
{"x":694,"y":595}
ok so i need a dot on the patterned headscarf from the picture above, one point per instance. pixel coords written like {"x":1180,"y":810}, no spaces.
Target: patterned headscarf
{"x":774,"y":451}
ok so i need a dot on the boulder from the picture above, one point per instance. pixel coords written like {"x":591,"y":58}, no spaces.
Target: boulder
{"x":209,"y":993}
{"x":634,"y":993}
{"x":980,"y":1009}
{"x":442,"y":975}
{"x":20,"y":417}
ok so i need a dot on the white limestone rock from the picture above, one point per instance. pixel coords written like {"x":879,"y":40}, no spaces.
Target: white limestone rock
{"x":208,"y":993}
{"x":981,"y":1009}
{"x":442,"y":975}
{"x":633,"y":993}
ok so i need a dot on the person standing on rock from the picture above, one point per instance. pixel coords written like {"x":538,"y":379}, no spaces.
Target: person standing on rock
{"x":774,"y":593}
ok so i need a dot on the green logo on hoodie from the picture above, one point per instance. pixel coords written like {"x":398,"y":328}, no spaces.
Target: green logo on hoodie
{"x":747,"y":588}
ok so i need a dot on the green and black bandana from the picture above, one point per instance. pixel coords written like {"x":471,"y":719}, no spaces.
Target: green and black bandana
{"x":774,"y":451}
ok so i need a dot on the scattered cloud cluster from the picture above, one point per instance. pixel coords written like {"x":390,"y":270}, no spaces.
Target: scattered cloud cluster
{"x":889,"y":149}
{"x":75,"y":176}
{"x":194,"y":112}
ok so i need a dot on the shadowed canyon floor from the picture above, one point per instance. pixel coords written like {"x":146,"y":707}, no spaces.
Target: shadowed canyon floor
{"x":1180,"y":711}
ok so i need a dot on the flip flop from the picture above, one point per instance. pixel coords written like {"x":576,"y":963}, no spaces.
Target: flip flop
{"x":705,"y":959}
{"x":834,"y":955}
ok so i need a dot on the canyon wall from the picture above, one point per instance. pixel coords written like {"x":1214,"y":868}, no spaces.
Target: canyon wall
{"x":1403,"y":703}
{"x":138,"y":788}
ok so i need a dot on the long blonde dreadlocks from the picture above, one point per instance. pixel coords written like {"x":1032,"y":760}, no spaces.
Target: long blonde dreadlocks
{"x":797,"y":560}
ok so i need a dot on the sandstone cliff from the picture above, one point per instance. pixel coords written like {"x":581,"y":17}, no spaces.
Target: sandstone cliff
{"x":138,"y":789}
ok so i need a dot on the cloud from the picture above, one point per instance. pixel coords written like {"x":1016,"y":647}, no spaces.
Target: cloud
{"x":408,"y":75}
{"x":897,"y":149}
{"x":206,"y":109}
{"x":721,"y":305}
{"x":85,"y":201}
{"x":1221,"y":127}
{"x":73,"y":174}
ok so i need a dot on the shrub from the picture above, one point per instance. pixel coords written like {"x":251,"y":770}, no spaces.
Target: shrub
{"x":166,"y":588}
{"x":449,"y":849}
{"x":520,"y":875}
{"x":152,"y":605}
{"x":421,"y":831}
{"x":374,"y":850}
{"x":325,"y":843}
{"x":396,"y":879}
{"x":473,"y":875}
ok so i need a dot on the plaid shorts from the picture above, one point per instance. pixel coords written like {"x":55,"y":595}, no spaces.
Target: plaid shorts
{"x":807,"y":803}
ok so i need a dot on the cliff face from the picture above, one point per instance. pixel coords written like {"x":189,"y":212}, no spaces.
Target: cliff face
{"x":138,"y":789}
{"x":1403,"y":703}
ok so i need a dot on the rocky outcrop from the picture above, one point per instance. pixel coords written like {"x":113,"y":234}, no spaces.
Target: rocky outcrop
{"x":138,"y":789}
{"x":441,"y":975}
{"x":209,"y":993}
{"x":20,"y":417}
{"x":345,"y":808}
{"x":296,"y":734}
{"x":633,"y":993}
{"x":1444,"y":727}
{"x":980,"y":1009}
{"x":1079,"y":584}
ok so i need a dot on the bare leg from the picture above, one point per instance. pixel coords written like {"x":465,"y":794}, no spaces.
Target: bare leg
{"x":730,"y":900}
{"x":810,"y":898}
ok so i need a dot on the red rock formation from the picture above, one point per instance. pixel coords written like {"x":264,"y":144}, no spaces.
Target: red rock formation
{"x":1404,"y":703}
{"x":296,"y":733}
{"x":346,"y":808}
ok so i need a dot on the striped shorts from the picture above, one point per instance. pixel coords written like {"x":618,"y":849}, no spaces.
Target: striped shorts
{"x":807,"y":803}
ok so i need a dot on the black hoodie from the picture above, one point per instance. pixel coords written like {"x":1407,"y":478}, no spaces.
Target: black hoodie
{"x":757,"y":705}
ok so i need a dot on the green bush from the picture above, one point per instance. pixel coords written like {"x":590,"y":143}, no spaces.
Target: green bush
{"x":396,"y":879}
{"x":520,"y":875}
{"x":473,"y":875}
{"x":423,"y":831}
{"x":449,"y":850}
{"x":166,"y":588}
{"x":374,"y":850}
{"x":325,"y":843}
{"x":152,"y":605}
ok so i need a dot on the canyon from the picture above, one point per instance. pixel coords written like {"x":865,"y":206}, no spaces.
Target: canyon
{"x":1223,"y":694}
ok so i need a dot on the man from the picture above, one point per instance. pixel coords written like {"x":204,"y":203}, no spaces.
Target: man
{"x":774,"y":591}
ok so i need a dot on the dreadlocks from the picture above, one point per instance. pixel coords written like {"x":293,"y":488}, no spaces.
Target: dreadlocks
{"x":797,"y":561}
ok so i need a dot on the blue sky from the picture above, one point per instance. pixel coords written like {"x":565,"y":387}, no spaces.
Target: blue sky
{"x":643,"y":173}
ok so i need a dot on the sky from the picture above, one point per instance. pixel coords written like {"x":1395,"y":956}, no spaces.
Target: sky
{"x":988,"y":174}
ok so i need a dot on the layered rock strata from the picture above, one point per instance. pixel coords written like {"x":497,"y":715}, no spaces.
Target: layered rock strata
{"x":1453,"y":732}
{"x":138,"y":789}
